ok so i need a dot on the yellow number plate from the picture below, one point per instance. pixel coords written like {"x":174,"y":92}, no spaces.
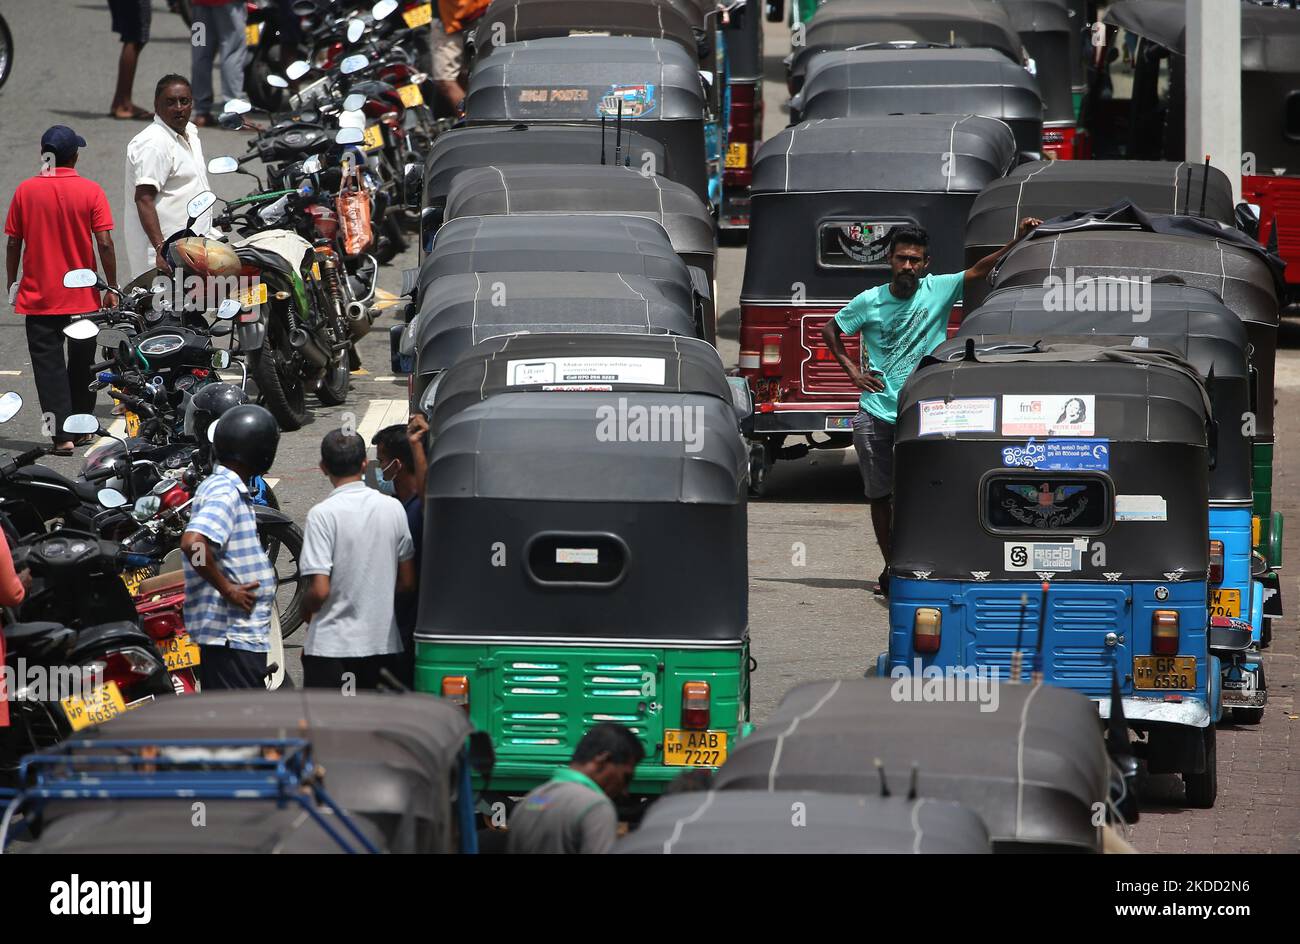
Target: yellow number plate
{"x":132,"y":424}
{"x":253,"y":33}
{"x":694,"y":748}
{"x":1164,"y":672}
{"x":254,"y":296}
{"x":418,"y":16}
{"x":179,"y":652}
{"x":103,"y":704}
{"x":411,"y":95}
{"x":133,"y":578}
{"x":1225,"y":603}
{"x":374,"y":138}
{"x":737,"y":155}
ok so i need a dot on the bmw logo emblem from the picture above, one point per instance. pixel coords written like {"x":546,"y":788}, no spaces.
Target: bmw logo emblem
{"x":1162,"y":593}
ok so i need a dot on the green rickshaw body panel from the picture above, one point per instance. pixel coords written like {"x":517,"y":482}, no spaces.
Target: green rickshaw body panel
{"x":1269,"y":545}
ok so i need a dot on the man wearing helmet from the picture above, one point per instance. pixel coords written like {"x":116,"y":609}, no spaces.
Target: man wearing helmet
{"x":229,"y":581}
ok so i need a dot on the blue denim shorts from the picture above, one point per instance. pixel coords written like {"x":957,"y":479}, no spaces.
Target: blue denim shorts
{"x":873,"y":439}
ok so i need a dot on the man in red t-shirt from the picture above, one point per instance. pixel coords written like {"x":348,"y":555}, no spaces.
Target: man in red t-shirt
{"x":59,"y":217}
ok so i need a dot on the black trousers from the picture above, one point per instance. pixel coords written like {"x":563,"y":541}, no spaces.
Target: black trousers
{"x":61,"y":385}
{"x":362,"y":672}
{"x":221,"y":667}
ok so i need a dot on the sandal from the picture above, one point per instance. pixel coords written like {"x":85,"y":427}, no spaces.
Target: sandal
{"x":84,"y":440}
{"x":62,"y":449}
{"x":135,"y":114}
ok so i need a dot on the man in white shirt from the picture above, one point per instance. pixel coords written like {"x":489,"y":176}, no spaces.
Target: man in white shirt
{"x":165,"y":170}
{"x":357,"y":552}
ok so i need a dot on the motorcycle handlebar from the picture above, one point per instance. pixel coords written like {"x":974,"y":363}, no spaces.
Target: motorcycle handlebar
{"x":102,"y":365}
{"x":99,"y":475}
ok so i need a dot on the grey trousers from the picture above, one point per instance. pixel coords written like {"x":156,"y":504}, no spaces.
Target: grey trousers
{"x":219,"y":32}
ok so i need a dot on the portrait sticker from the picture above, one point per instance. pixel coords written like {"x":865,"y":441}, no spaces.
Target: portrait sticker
{"x":1048,"y":415}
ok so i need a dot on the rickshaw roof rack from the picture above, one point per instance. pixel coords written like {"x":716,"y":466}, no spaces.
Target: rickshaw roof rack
{"x":531,"y":448}
{"x":1270,"y":36}
{"x":893,"y":153}
{"x":1032,"y":768}
{"x":758,"y":822}
{"x":518,"y":20}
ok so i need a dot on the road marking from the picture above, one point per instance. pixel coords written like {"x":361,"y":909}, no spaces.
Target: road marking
{"x":271,"y":483}
{"x":383,"y":379}
{"x":116,"y":428}
{"x":385,"y":299}
{"x":381,"y":413}
{"x":11,"y":373}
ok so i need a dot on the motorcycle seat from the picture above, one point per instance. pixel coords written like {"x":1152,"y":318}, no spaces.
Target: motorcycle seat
{"x":253,"y":255}
{"x":87,"y":491}
{"x":26,"y":633}
{"x":164,"y":583}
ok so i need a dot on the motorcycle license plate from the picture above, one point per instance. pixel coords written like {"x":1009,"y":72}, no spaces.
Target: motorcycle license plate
{"x":694,"y":748}
{"x":410,"y":95}
{"x":418,"y":16}
{"x":253,"y":33}
{"x":133,"y":578}
{"x":1225,"y":603}
{"x":132,"y":424}
{"x":254,"y":296}
{"x":374,"y":138}
{"x":179,"y":652}
{"x":1164,"y":672}
{"x":103,"y":704}
{"x":737,"y":155}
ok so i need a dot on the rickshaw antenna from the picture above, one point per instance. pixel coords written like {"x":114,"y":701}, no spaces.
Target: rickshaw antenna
{"x":911,"y":785}
{"x":618,"y":135}
{"x":1187,"y":196}
{"x":1016,"y":655}
{"x":602,"y":139}
{"x":1042,"y":637}
{"x":880,"y":770}
{"x":1205,"y":179}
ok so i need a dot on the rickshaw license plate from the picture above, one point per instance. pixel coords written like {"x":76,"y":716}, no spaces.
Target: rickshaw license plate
{"x":1225,"y":603}
{"x":410,"y":95}
{"x":254,"y":296}
{"x":179,"y":652}
{"x":253,"y":33}
{"x":103,"y":704}
{"x":133,"y":579}
{"x":694,"y":748}
{"x":418,"y":16}
{"x":737,"y":155}
{"x":374,"y":138}
{"x":132,"y":423}
{"x":839,"y":422}
{"x":1164,"y":672}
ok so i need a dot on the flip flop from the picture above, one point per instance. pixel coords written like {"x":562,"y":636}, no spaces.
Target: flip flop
{"x":85,"y":440}
{"x":61,"y":450}
{"x":137,"y":114}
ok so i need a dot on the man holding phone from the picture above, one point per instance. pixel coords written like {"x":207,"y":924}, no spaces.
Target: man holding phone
{"x":899,"y":323}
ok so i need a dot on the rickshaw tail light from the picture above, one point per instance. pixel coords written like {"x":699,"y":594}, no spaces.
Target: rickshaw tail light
{"x":1256,"y":526}
{"x":455,"y":688}
{"x":695,"y":705}
{"x":1164,"y":632}
{"x":1216,"y":562}
{"x":771,"y":356}
{"x":927,"y":625}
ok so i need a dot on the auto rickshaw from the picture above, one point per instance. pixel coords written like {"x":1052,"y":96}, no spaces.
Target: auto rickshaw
{"x":799,"y":822}
{"x":1053,"y":35}
{"x":516,"y":190}
{"x":1270,"y":120}
{"x":1029,"y":759}
{"x":743,"y":32}
{"x":1122,"y":241}
{"x":875,"y":82}
{"x":1048,"y":189}
{"x":864,"y":24}
{"x":467,"y":147}
{"x":317,"y":771}
{"x":1050,"y":523}
{"x":825,"y":194}
{"x":1197,"y":326}
{"x":650,"y":85}
{"x":586,"y":520}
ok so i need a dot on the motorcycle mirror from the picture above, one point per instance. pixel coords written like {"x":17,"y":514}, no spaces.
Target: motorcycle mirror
{"x":149,"y":505}
{"x":173,"y":561}
{"x":230,"y":121}
{"x":312,"y":165}
{"x":220,"y":360}
{"x":200,"y":205}
{"x":83,"y":329}
{"x":308,"y":114}
{"x":228,"y":309}
{"x":80,"y":278}
{"x":353,"y":64}
{"x":223,"y":165}
{"x":354,"y":102}
{"x":356,"y":29}
{"x":220,"y":329}
{"x":412,"y":183}
{"x":237,"y":106}
{"x":110,"y":498}
{"x":10,"y":404}
{"x":277,"y":81}
{"x":383,"y":9}
{"x":349,"y":136}
{"x":297,"y":69}
{"x":82,"y":424}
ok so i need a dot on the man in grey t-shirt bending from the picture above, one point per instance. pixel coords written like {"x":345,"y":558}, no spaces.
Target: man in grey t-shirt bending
{"x":356,"y":551}
{"x":574,"y":810}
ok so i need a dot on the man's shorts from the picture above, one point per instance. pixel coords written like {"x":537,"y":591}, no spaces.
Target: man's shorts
{"x":131,"y":19}
{"x":873,"y":439}
{"x":448,"y":54}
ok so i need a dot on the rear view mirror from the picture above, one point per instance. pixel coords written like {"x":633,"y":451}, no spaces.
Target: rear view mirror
{"x":201,"y":204}
{"x":146,"y":507}
{"x":277,"y":81}
{"x":1247,"y":216}
{"x":383,"y":9}
{"x":10,"y":404}
{"x":110,"y":498}
{"x":237,"y":106}
{"x":353,"y":64}
{"x":228,"y":309}
{"x":297,"y":70}
{"x":223,"y":165}
{"x":356,"y":29}
{"x":80,"y":278}
{"x":312,"y":165}
{"x":83,"y":329}
{"x":413,"y":182}
{"x":354,"y":102}
{"x":220,"y":360}
{"x":230,"y":121}
{"x":349,"y":136}
{"x":82,"y":424}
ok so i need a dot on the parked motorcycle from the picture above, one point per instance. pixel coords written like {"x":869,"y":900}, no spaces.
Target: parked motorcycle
{"x":6,"y":51}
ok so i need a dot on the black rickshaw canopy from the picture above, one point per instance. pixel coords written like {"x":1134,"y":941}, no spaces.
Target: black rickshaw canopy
{"x":512,"y":21}
{"x":745,"y":822}
{"x":1051,"y":32}
{"x":1270,"y":37}
{"x":874,"y":82}
{"x":1033,"y":769}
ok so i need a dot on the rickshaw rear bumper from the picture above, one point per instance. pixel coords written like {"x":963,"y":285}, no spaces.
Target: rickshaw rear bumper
{"x":789,"y":418}
{"x":1144,"y":713}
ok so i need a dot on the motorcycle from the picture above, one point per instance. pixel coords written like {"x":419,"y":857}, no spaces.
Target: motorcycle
{"x":6,"y":51}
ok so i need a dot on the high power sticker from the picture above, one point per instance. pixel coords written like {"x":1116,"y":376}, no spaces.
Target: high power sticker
{"x":1052,"y":556}
{"x":586,"y":370}
{"x":965,"y":415}
{"x":1060,"y":455}
{"x":1048,"y":415}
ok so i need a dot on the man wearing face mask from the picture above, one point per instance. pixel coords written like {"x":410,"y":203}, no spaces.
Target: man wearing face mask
{"x":356,"y":554}
{"x":396,"y":448}
{"x":899,"y":323}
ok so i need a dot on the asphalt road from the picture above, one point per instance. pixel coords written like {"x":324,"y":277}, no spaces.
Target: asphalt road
{"x":811,"y":554}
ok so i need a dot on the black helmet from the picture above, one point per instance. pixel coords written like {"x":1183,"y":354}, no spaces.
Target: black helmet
{"x":209,"y":403}
{"x":247,"y":434}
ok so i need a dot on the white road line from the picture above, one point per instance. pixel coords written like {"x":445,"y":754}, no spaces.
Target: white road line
{"x":381,"y":413}
{"x":382,"y":379}
{"x":271,"y":483}
{"x":11,"y":373}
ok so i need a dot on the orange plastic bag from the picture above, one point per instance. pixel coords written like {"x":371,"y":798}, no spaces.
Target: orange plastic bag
{"x":353,"y":204}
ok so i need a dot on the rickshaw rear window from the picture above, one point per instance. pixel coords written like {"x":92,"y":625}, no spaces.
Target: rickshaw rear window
{"x":563,"y":558}
{"x":1291,"y":117}
{"x":853,"y":244}
{"x":1039,"y":503}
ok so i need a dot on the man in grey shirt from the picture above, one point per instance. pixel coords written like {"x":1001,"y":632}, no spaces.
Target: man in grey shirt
{"x":356,"y":551}
{"x":574,"y":810}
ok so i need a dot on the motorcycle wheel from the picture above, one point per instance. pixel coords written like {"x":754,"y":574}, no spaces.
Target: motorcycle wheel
{"x":389,"y":240}
{"x":281,"y":387}
{"x":6,"y":51}
{"x":333,"y":388}
{"x":285,"y":551}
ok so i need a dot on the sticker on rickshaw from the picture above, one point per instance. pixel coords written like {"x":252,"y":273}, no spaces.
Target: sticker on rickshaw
{"x":1041,"y":556}
{"x":1048,"y":415}
{"x":637,"y":100}
{"x":852,"y":243}
{"x":543,"y":96}
{"x":969,"y":414}
{"x":586,"y":370}
{"x":1141,"y":508}
{"x":1060,"y":455}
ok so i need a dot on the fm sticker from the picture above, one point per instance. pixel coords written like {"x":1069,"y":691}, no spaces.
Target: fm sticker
{"x":1048,"y":415}
{"x":1060,"y":455}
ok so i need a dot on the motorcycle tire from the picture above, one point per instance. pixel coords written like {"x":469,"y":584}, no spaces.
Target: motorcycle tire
{"x":389,"y":240}
{"x":6,"y":51}
{"x":333,"y":387}
{"x":287,"y":541}
{"x":283,"y":392}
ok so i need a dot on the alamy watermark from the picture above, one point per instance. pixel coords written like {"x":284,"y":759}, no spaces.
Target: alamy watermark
{"x":182,"y":291}
{"x":25,"y":681}
{"x":636,"y":422}
{"x":974,"y":683}
{"x":1099,"y":294}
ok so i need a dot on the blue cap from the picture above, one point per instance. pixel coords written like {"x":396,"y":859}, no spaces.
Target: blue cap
{"x":62,"y":141}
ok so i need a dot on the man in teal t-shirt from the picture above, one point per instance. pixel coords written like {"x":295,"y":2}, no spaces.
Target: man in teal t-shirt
{"x":899,"y":323}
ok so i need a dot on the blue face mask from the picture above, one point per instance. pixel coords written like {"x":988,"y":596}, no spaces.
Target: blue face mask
{"x":385,"y":485}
